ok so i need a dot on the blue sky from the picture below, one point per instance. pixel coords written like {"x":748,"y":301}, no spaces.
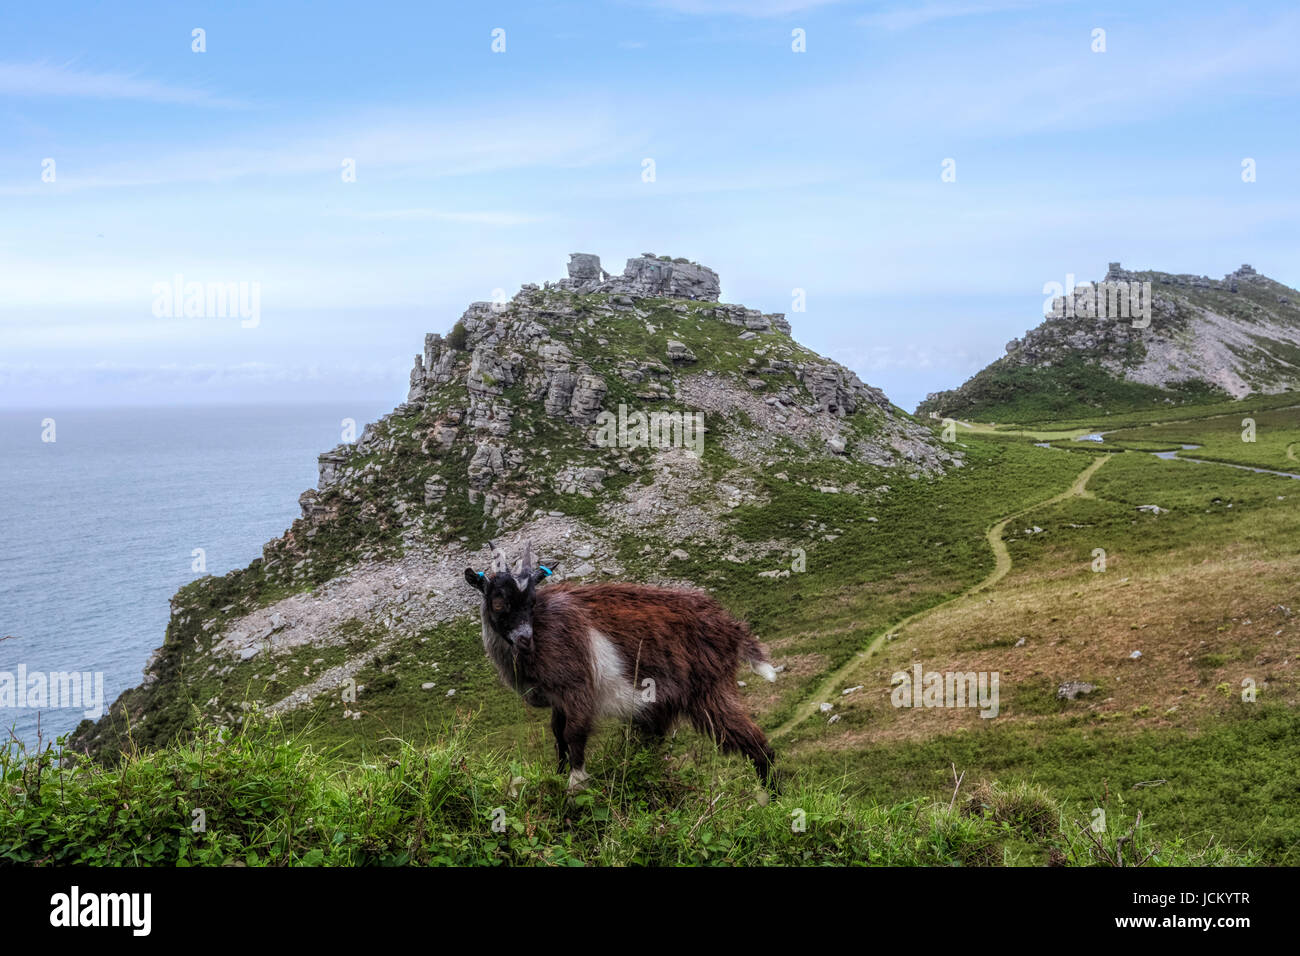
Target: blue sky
{"x":478,"y":170}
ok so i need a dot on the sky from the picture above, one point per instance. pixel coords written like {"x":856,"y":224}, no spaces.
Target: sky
{"x":918,"y":170}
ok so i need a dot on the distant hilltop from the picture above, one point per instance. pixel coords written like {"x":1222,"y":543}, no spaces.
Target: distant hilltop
{"x":1136,"y":339}
{"x":649,"y":275}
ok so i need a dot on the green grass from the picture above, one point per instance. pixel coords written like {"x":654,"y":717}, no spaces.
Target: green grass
{"x":259,"y":799}
{"x":1228,"y":768}
{"x":1275,"y":444}
{"x":1198,"y":521}
{"x":1232,"y":784}
{"x":1032,"y":393}
{"x":1108,"y":418}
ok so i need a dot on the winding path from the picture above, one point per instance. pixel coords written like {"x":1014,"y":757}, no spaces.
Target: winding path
{"x":829,"y":689}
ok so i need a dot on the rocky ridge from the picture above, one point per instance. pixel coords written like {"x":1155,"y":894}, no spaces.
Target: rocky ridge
{"x":1228,"y":337}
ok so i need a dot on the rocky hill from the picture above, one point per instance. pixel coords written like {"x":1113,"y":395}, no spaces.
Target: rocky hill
{"x":1139,"y":338}
{"x":617,"y":421}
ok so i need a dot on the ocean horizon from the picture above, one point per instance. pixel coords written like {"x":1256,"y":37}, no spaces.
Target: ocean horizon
{"x":102,"y":525}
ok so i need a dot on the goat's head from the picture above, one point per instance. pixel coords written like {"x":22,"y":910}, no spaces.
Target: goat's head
{"x":508,"y":594}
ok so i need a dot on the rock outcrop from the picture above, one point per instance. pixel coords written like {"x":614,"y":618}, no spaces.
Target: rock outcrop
{"x":550,"y":342}
{"x":649,"y":275}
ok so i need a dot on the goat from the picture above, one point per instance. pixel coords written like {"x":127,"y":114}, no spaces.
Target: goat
{"x":646,"y":655}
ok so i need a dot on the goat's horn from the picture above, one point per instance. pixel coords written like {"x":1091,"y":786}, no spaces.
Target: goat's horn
{"x":499,"y":563}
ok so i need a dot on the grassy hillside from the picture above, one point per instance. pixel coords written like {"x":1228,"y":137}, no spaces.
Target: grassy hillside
{"x":259,"y":799}
{"x":1203,"y":589}
{"x":1107,"y":418}
{"x":1197,"y":341}
{"x":1202,"y":592}
{"x":1007,"y":392}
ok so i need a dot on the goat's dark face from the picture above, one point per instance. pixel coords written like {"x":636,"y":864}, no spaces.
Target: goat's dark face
{"x":508,"y":596}
{"x":507,"y":607}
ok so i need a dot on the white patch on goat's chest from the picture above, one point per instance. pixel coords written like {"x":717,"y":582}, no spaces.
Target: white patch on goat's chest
{"x":615,"y":694}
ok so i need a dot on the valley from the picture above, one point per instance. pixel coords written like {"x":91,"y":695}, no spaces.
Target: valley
{"x":953,"y":574}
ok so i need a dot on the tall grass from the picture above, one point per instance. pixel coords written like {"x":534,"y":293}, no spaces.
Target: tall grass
{"x":260,"y":798}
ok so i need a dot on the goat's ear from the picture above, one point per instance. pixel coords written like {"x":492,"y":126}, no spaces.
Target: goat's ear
{"x":474,"y":578}
{"x":542,"y":572}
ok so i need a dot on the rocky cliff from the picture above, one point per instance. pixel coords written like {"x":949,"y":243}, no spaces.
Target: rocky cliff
{"x":1137,"y":338}
{"x":648,"y":275}
{"x":617,"y":422}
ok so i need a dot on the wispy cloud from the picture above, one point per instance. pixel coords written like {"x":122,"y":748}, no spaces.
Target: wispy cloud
{"x":431,"y":144}
{"x":195,"y":382}
{"x":439,"y":215}
{"x":908,"y":15}
{"x":745,"y":8}
{"x":42,"y":80}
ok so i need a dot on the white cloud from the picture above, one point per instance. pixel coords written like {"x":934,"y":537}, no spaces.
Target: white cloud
{"x":746,"y":8}
{"x":432,"y":145}
{"x":438,"y":215}
{"x":47,"y":80}
{"x":905,"y":16}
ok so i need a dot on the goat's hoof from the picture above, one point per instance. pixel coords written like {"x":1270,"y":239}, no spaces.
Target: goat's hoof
{"x":774,"y":783}
{"x":578,"y":781}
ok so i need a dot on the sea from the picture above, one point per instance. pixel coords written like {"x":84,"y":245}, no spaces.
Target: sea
{"x":105,"y":512}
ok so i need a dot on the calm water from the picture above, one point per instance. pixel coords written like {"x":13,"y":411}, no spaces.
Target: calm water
{"x":98,"y":528}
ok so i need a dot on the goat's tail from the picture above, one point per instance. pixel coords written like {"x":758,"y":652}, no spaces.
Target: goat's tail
{"x":752,"y":652}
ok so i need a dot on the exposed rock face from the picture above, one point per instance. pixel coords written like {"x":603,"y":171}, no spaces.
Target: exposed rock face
{"x":1236,"y":335}
{"x":559,"y":391}
{"x":532,"y":342}
{"x":678,"y":352}
{"x":584,"y":267}
{"x":330,"y":464}
{"x":432,"y":368}
{"x":487,"y":463}
{"x":673,"y":278}
{"x":649,"y":275}
{"x":575,"y":479}
{"x":837,"y":390}
{"x":588,"y":393}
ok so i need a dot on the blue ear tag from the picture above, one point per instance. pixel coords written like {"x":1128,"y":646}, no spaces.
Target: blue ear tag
{"x":546,"y":569}
{"x":480,"y":574}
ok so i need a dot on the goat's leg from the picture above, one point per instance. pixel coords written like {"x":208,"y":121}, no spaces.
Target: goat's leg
{"x":736,"y":733}
{"x":561,"y":747}
{"x":576,"y":730}
{"x":649,"y":733}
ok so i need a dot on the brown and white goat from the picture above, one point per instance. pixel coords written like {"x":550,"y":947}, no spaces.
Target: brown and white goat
{"x":646,"y":655}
